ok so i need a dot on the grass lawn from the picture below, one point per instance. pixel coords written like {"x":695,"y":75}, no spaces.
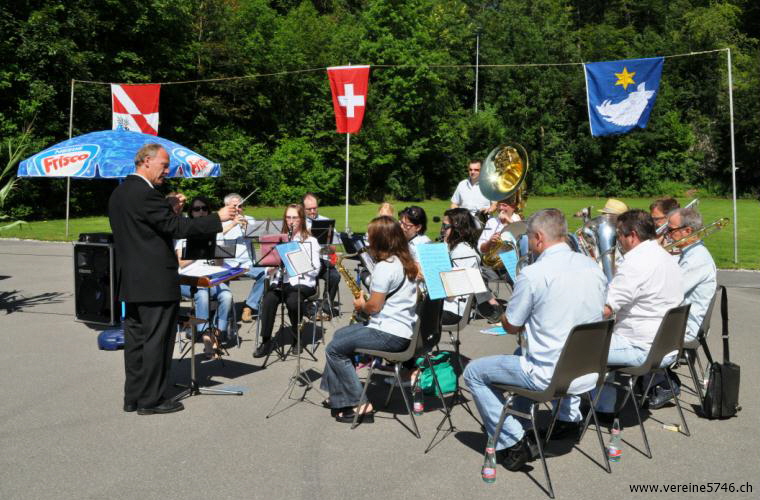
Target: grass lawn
{"x":720,"y":243}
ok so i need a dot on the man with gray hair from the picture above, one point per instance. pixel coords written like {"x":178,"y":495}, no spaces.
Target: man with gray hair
{"x":646,"y":285}
{"x":560,"y":290}
{"x":699,"y":282}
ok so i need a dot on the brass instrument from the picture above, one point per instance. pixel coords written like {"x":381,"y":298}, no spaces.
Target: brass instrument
{"x":353,"y":287}
{"x":491,"y":257}
{"x":503,"y":176}
{"x":706,"y":231}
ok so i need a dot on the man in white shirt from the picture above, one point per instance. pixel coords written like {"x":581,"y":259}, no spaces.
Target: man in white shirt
{"x":699,"y":281}
{"x":560,"y":290}
{"x":467,"y":194}
{"x":648,"y":283}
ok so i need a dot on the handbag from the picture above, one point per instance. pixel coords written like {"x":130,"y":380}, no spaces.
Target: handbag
{"x":444,"y":372}
{"x":722,"y":395}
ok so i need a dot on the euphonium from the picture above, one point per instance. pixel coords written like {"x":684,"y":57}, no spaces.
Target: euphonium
{"x":353,"y":287}
{"x":697,"y":235}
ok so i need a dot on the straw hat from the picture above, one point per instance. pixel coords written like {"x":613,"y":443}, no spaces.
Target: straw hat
{"x":614,"y":207}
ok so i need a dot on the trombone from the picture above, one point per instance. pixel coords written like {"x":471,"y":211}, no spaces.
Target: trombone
{"x":701,"y":234}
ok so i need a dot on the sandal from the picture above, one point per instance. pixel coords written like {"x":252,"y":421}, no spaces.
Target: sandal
{"x":347,"y":417}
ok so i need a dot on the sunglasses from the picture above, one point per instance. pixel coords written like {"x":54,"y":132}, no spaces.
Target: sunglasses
{"x":674,"y":229}
{"x":445,"y":226}
{"x":199,"y":209}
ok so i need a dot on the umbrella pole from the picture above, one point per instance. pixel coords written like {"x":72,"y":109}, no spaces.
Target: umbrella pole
{"x":68,"y":179}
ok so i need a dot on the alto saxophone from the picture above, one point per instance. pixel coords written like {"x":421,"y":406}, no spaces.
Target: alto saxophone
{"x":353,"y":287}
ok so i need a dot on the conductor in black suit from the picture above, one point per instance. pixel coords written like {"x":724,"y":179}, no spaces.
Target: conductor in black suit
{"x":144,"y":226}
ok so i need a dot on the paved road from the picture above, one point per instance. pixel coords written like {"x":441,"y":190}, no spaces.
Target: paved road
{"x":63,"y":434}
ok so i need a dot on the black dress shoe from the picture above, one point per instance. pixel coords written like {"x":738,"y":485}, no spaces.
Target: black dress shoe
{"x":516,"y":456}
{"x":563,"y":430}
{"x":347,"y":417}
{"x":130,"y":407}
{"x":605,"y":418}
{"x":262,"y":350}
{"x":662,"y":396}
{"x":167,"y":406}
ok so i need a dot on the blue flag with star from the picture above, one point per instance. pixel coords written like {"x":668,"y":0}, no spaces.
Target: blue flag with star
{"x":621,"y":94}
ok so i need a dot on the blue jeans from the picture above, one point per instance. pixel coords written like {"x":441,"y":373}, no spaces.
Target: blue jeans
{"x":257,"y":290}
{"x":622,"y":353}
{"x":505,"y":369}
{"x":339,"y":378}
{"x":220,"y":293}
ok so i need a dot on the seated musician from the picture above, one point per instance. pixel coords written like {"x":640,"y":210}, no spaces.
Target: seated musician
{"x":413,"y":222}
{"x":699,"y":280}
{"x":327,"y":272}
{"x":212,"y":337}
{"x":560,"y":290}
{"x":647,"y":283}
{"x":391,"y":309}
{"x":659,"y":210}
{"x":289,"y":289}
{"x":460,"y":234}
{"x":493,"y":235}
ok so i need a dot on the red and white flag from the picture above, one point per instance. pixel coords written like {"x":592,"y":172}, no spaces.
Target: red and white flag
{"x":349,"y":94}
{"x":135,"y":107}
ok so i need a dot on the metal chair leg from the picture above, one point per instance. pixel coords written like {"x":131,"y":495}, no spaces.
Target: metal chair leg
{"x":592,"y":411}
{"x":500,"y":423}
{"x":406,"y":400}
{"x":363,"y":397}
{"x":671,"y":386}
{"x":698,"y":382}
{"x":541,"y":449}
{"x":638,"y":415}
{"x":555,"y":414}
{"x":438,"y":388}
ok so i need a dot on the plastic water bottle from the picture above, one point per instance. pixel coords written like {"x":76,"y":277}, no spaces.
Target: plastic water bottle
{"x":418,"y":407}
{"x":613,"y":449}
{"x":488,"y":471}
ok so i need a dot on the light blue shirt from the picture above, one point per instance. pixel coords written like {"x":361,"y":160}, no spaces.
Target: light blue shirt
{"x":398,"y":314}
{"x":699,"y":282}
{"x":560,"y":290}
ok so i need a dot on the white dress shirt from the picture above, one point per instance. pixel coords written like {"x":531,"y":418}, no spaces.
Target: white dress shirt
{"x":560,"y":290}
{"x":494,"y":226}
{"x":646,"y":285}
{"x":699,"y":282}
{"x":309,"y":245}
{"x":467,"y":195}
{"x":244,"y":252}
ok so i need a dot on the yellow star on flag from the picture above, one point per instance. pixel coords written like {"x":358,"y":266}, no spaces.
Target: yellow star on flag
{"x":625,"y":78}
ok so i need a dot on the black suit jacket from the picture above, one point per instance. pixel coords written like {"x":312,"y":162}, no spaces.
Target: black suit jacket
{"x":144,"y":227}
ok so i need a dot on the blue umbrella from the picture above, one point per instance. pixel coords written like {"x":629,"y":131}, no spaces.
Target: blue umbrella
{"x":110,"y":154}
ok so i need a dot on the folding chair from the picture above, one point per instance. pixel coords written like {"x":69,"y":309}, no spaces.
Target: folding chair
{"x":669,"y":338}
{"x":690,"y":348}
{"x":585,"y":352}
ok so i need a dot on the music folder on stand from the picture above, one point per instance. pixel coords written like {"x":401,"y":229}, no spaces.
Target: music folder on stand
{"x":297,"y":264}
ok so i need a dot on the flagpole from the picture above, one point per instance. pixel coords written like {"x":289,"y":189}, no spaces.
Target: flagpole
{"x":477,"y":62}
{"x":733,"y":153}
{"x":348,"y":156}
{"x":68,"y":179}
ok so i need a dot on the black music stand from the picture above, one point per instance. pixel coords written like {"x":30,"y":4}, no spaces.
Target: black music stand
{"x":298,"y":374}
{"x":193,"y":388}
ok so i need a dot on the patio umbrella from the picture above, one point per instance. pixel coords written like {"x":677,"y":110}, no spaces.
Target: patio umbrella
{"x":110,"y":154}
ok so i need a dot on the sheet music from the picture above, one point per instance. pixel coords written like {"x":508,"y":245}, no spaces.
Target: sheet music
{"x":434,"y":259}
{"x":299,"y":262}
{"x":200,"y":268}
{"x":284,"y":250}
{"x":464,"y":281}
{"x":509,"y":258}
{"x":368,"y":261}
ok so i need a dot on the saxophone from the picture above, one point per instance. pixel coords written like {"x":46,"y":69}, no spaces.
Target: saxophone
{"x":353,"y":287}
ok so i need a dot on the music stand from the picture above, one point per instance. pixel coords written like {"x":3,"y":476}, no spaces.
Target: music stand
{"x":270,"y":258}
{"x":323,"y":230}
{"x":297,"y":269}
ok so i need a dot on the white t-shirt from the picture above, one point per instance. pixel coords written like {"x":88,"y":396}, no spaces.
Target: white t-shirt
{"x":420,"y":239}
{"x":397,"y":316}
{"x":462,"y":256}
{"x":468,"y":195}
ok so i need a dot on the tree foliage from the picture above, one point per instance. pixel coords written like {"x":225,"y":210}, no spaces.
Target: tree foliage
{"x":276,"y":133}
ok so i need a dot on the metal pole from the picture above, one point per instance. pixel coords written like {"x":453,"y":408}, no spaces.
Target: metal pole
{"x":348,"y":153}
{"x":68,"y":179}
{"x":477,"y":62}
{"x":733,"y":155}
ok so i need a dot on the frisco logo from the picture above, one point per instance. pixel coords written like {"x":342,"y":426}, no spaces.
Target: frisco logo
{"x":199,"y":166}
{"x":71,"y":161}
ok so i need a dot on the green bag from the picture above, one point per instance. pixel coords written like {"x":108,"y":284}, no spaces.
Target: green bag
{"x":444,"y":371}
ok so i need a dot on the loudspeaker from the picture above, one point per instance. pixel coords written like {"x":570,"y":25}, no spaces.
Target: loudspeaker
{"x":94,"y":284}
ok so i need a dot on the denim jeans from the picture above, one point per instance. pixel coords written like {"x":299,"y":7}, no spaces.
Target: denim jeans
{"x":339,"y":378}
{"x":220,"y":293}
{"x":623,"y":353}
{"x":505,"y":369}
{"x":257,"y":290}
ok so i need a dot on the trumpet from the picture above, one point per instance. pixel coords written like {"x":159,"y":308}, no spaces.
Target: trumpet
{"x":706,"y":231}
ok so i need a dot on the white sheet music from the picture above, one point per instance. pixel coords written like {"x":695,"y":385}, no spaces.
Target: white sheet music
{"x":300,"y":261}
{"x":200,"y":268}
{"x":464,"y":281}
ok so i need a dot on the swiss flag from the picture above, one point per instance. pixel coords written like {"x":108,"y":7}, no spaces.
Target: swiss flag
{"x":349,"y":95}
{"x":135,"y":107}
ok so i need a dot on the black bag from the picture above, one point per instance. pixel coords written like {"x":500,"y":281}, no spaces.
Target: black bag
{"x":722,"y":394}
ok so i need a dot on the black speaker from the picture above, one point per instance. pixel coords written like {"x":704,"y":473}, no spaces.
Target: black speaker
{"x":94,"y":284}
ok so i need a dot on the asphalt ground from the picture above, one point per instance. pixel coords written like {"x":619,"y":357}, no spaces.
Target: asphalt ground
{"x":63,"y":433}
